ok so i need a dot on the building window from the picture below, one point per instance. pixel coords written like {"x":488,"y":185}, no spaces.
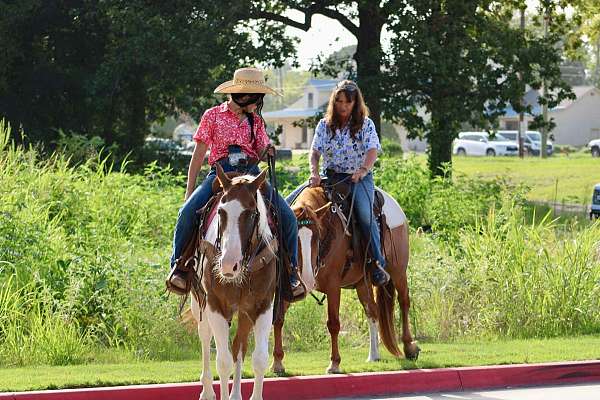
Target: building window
{"x":310,"y":100}
{"x":512,"y":125}
{"x":304,"y":133}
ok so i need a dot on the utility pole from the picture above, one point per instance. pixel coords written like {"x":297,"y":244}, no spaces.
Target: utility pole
{"x":522,"y":128}
{"x":544,"y":142}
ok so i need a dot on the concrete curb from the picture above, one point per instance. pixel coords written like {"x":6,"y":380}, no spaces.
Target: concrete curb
{"x":328,"y":386}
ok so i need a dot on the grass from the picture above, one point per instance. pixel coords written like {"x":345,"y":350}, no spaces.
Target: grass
{"x":433,"y":355}
{"x":560,"y":178}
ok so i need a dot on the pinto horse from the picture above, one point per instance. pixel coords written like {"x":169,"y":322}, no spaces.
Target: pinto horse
{"x":238,"y":274}
{"x":323,"y":250}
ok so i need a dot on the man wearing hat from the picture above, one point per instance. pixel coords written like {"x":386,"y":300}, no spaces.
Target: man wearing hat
{"x":236,"y":145}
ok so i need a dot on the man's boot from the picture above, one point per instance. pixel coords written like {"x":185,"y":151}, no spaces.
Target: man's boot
{"x":176,"y":281}
{"x":379,"y":276}
{"x":298,"y":287}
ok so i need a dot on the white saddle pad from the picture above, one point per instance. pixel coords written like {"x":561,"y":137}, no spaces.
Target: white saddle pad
{"x":394,"y":215}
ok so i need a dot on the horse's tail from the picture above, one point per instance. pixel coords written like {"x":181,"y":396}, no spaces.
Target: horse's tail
{"x":385,"y":304}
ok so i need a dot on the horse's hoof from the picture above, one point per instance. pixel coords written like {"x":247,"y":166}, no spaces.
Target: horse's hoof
{"x":373,"y":359}
{"x":278,"y":368}
{"x":412,"y":353}
{"x":208,"y":396}
{"x":333,"y":369}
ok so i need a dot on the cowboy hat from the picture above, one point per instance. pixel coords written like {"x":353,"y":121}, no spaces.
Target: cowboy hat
{"x":246,"y":80}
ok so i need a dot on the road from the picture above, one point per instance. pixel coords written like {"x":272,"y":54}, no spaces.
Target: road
{"x":566,"y":392}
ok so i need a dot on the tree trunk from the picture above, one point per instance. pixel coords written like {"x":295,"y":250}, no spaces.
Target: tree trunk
{"x":136,"y":120}
{"x":369,"y":56}
{"x":440,"y":139}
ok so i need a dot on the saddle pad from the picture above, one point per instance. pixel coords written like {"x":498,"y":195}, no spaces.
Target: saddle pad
{"x":394,"y":215}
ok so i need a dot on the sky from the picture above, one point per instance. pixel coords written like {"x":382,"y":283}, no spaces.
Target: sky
{"x":327,"y":35}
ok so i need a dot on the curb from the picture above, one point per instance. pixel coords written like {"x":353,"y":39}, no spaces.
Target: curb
{"x":371,"y":383}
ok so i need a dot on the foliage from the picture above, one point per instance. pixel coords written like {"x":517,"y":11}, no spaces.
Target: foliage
{"x":466,"y":56}
{"x":84,"y":252}
{"x":104,"y":69}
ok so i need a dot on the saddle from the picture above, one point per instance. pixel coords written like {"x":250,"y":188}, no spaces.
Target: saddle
{"x":197,"y":247}
{"x":338,"y":190}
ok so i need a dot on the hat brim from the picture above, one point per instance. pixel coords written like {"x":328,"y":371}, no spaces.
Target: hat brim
{"x":230,"y":87}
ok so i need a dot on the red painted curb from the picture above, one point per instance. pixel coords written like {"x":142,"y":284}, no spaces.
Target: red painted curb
{"x":321,"y":387}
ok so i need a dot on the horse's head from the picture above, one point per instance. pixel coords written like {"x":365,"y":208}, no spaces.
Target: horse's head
{"x":242,"y":213}
{"x":310,"y":231}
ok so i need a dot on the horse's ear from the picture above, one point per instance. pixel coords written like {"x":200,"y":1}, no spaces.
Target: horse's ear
{"x":258,"y":181}
{"x":223,"y":178}
{"x":323,"y":210}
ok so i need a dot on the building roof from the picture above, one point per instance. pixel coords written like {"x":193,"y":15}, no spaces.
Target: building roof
{"x":323,"y":84}
{"x":291,"y":113}
{"x":531,"y":98}
{"x":579,"y":91}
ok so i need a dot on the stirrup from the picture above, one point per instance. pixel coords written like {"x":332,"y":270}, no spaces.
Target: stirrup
{"x":172,"y":287}
{"x":379,"y":269}
{"x":300,"y":292}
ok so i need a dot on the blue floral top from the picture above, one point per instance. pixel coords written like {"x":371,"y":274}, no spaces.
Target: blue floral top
{"x":342,"y":153}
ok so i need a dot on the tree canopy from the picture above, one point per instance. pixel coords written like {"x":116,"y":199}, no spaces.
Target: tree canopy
{"x":108,"y":68}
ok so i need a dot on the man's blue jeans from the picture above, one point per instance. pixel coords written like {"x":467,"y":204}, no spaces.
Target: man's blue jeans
{"x":363,"y":211}
{"x":187,"y":219}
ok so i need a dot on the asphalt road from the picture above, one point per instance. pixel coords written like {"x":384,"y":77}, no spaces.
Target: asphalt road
{"x":570,"y":392}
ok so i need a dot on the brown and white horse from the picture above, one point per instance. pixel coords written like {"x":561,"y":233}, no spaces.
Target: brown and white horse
{"x":236,"y":283}
{"x":323,"y":250}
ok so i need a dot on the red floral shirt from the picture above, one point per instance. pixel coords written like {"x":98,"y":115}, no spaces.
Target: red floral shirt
{"x":220,"y":127}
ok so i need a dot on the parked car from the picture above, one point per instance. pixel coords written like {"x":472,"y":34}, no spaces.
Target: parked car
{"x":595,"y":207}
{"x":532,"y":142}
{"x":480,"y":144}
{"x":594,"y":146}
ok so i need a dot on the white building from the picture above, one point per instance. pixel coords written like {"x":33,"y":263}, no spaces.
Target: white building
{"x":314,"y":100}
{"x":577,"y":121}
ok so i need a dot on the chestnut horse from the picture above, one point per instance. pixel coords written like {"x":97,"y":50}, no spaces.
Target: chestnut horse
{"x":238,"y":274}
{"x":323,"y":250}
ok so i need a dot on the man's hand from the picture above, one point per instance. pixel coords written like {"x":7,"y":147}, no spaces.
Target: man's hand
{"x":314,"y":180}
{"x":359,"y":174}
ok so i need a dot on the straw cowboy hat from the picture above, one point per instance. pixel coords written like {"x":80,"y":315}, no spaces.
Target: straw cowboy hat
{"x":246,"y":80}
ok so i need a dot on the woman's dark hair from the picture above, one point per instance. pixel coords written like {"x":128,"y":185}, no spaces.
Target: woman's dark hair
{"x":360,"y":111}
{"x":255,"y":98}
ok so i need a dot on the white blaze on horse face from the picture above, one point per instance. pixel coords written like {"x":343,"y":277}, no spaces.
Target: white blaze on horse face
{"x":305,"y":236}
{"x":231,"y":247}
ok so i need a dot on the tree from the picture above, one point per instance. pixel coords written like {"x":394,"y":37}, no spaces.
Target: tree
{"x":454,"y":61}
{"x":364,"y":19}
{"x":457,"y":61}
{"x":108,"y":68}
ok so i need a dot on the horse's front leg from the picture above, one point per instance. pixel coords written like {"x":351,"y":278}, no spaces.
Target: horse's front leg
{"x":333,"y":325}
{"x":260,"y":356}
{"x":220,"y":328}
{"x":278,"y":352}
{"x":239,"y":348}
{"x":205,"y":335}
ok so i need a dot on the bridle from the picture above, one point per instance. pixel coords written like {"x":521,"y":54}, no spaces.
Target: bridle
{"x":252,"y":233}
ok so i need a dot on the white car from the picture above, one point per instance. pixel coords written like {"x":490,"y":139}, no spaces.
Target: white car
{"x":594,"y":146}
{"x":532,"y":141}
{"x":480,"y":144}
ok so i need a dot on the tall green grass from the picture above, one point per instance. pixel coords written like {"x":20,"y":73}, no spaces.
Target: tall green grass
{"x":84,"y":252}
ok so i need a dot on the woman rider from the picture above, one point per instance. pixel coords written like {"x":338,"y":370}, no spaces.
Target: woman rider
{"x":225,"y":131}
{"x":348,"y":142}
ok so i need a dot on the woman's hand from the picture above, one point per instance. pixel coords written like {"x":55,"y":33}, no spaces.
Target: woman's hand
{"x":359,"y":174}
{"x":314,"y":181}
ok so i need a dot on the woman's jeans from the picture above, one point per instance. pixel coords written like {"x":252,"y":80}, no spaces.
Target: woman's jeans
{"x":187,"y":218}
{"x":363,"y":192}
